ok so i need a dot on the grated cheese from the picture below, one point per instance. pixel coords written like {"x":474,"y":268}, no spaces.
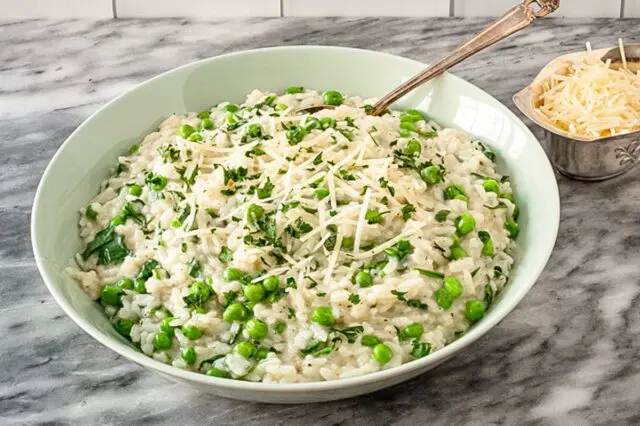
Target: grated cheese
{"x":593,"y":100}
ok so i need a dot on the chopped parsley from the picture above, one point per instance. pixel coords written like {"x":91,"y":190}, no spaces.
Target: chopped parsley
{"x":400,"y":250}
{"x":265,"y":191}
{"x":288,"y":206}
{"x":345,"y":175}
{"x":301,"y":227}
{"x":235,"y":175}
{"x":385,"y":184}
{"x":413,"y":303}
{"x":226,"y":255}
{"x":194,"y":268}
{"x":407,"y":209}
{"x":351,"y":333}
{"x":430,"y":274}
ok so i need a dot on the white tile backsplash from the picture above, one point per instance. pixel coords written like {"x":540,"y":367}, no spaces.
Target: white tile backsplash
{"x":632,"y":9}
{"x":196,"y":8}
{"x":21,"y":9}
{"x":568,"y":8}
{"x":204,"y":9}
{"x":366,"y":7}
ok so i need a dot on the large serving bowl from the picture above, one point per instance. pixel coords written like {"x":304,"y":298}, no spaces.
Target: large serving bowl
{"x":73,"y":176}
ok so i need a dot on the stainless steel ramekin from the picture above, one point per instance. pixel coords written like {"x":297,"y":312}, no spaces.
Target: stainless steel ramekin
{"x":577,"y":157}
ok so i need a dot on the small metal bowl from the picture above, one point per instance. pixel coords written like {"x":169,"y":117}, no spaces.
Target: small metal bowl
{"x":575,"y":157}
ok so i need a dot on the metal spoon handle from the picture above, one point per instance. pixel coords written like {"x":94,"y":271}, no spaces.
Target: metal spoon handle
{"x":513,"y":21}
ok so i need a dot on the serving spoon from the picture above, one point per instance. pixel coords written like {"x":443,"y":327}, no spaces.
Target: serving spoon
{"x":517,"y":18}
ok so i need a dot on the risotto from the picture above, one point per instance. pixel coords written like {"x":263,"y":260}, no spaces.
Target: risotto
{"x":250,"y":242}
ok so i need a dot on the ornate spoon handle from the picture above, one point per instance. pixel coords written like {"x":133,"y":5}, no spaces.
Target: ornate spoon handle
{"x":513,"y":21}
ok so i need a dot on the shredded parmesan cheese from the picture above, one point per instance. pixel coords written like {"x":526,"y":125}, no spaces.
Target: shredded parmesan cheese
{"x":593,"y":100}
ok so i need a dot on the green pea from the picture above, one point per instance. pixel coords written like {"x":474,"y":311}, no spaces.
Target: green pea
{"x":487,"y":243}
{"x":90,"y":213}
{"x":453,"y":287}
{"x":333,"y":97}
{"x":185,"y":130}
{"x":195,"y":137}
{"x":165,"y":325}
{"x":455,"y":192}
{"x":431,"y":175}
{"x":254,"y":130}
{"x":257,"y":329}
{"x":162,"y":341}
{"x":407,"y":125}
{"x":204,"y":114}
{"x":364,"y":279}
{"x":443,"y":298}
{"x":206,"y":124}
{"x":474,"y":310}
{"x":125,"y":284}
{"x":110,"y":295}
{"x":233,"y":274}
{"x":323,"y":315}
{"x":348,"y":242}
{"x":294,"y":89}
{"x":327,"y":122}
{"x":261,"y":353}
{"x":411,"y":115}
{"x":255,"y":213}
{"x":458,"y":252}
{"x":201,"y":290}
{"x":134,"y":148}
{"x":412,"y":147}
{"x":382,"y":353}
{"x":135,"y":190}
{"x":271,"y":283}
{"x":254,"y":292}
{"x":188,"y":355}
{"x":506,"y":196}
{"x":464,"y":224}
{"x":140,"y":286}
{"x":245,"y":349}
{"x":491,"y":185}
{"x":216,"y":372}
{"x":158,"y":183}
{"x":123,"y":326}
{"x":234,"y":312}
{"x":369,"y":340}
{"x":512,"y":226}
{"x":118,"y":220}
{"x":405,"y":133}
{"x":231,"y":108}
{"x":191,"y":332}
{"x":321,"y":193}
{"x":412,"y":331}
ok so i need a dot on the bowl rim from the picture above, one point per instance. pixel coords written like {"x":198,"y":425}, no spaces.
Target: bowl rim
{"x":474,"y":333}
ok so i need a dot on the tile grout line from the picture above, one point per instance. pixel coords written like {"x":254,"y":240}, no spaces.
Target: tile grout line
{"x":281,"y":8}
{"x":622,"y":7}
{"x":114,"y":9}
{"x":452,"y":7}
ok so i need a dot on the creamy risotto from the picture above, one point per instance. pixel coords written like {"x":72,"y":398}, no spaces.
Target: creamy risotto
{"x":250,"y":242}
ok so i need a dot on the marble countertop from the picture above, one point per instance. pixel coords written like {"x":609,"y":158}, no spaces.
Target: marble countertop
{"x":568,"y":354}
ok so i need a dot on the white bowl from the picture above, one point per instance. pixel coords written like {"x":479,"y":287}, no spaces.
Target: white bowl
{"x":73,"y":176}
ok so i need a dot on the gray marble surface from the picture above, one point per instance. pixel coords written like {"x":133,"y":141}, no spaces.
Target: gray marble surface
{"x":569,"y":353}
